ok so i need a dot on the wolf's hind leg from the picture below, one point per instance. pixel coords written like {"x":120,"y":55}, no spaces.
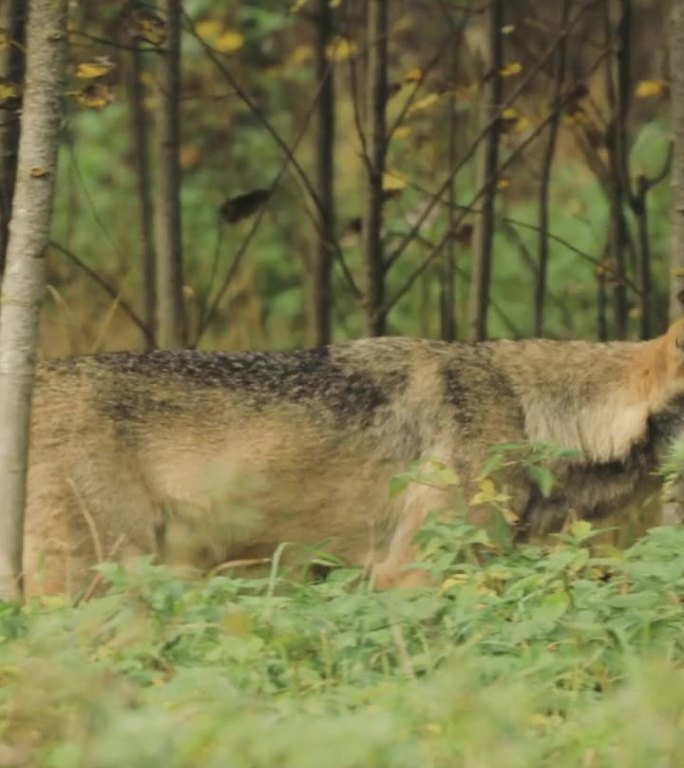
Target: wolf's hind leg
{"x":70,"y":526}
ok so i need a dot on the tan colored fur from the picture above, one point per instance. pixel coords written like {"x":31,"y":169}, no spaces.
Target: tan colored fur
{"x":213,"y":458}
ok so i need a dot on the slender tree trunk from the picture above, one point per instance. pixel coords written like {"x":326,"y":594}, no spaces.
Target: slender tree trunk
{"x":644,"y":265}
{"x":321,"y":294}
{"x":547,"y":165}
{"x":12,"y":19}
{"x":376,"y":145}
{"x":24,"y":279}
{"x":447,"y":303}
{"x":616,"y":138}
{"x":601,"y":314}
{"x":141,"y":149}
{"x":170,"y":314}
{"x":677,"y":122}
{"x":492,"y":95}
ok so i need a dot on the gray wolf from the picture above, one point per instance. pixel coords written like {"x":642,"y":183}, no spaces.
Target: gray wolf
{"x":213,"y":457}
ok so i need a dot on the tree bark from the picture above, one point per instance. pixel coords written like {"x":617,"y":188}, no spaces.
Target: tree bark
{"x":141,"y":150}
{"x":547,"y":165}
{"x":24,"y":279}
{"x":322,"y":298}
{"x":617,"y":190}
{"x":677,"y":122}
{"x":12,"y":19}
{"x":447,"y":292}
{"x":168,"y":239}
{"x":492,"y":95}
{"x":376,"y":148}
{"x":644,"y":263}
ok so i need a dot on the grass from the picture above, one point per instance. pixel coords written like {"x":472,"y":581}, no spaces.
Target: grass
{"x":567,"y":654}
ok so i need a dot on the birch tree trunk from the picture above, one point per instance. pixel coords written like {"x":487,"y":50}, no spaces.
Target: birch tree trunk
{"x":170,"y":313}
{"x":24,"y":279}
{"x":677,"y":107}
{"x":376,"y":151}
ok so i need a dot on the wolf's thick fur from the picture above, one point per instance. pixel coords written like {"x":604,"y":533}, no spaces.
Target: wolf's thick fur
{"x":249,"y":450}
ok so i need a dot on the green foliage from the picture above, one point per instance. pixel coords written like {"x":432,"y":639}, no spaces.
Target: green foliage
{"x":268,"y":48}
{"x":562,"y":655}
{"x":535,"y":459}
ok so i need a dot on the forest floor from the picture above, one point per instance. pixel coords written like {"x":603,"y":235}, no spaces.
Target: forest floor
{"x":567,"y":655}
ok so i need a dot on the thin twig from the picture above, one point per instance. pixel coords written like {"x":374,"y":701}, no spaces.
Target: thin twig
{"x":92,"y":528}
{"x":109,"y":289}
{"x":98,"y":578}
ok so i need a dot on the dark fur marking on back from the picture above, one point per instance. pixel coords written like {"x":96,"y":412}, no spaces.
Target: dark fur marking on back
{"x":470,"y":380}
{"x":459,"y":395}
{"x":298,"y":377}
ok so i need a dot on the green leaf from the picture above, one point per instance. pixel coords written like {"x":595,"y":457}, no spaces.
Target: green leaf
{"x":543,"y":477}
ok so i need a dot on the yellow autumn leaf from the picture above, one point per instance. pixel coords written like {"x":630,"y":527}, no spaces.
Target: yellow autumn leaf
{"x":208,"y":29}
{"x":402,"y":132}
{"x":413,"y":75}
{"x":95,"y":96}
{"x":427,"y":102}
{"x":503,"y":183}
{"x":393,"y":181}
{"x":508,"y":120}
{"x":301,"y":54}
{"x":509,"y":516}
{"x":97,"y":67}
{"x":9,"y":90}
{"x":486,"y":494}
{"x":456,"y":580}
{"x":521,"y":125}
{"x":340,"y":49}
{"x":148,"y":27}
{"x":229,"y":41}
{"x":647,"y":89}
{"x":512,"y":69}
{"x":577,"y":116}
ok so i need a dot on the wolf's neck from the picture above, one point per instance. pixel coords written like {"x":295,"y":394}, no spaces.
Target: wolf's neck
{"x":590,"y":398}
{"x":603,"y":429}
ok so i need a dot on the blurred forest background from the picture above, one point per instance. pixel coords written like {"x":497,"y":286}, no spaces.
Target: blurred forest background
{"x":442,"y":168}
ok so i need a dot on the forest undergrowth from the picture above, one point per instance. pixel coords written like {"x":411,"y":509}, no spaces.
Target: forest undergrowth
{"x":567,"y":653}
